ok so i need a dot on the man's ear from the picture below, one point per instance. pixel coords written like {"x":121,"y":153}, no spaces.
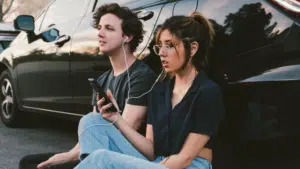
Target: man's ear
{"x":194,"y":48}
{"x":127,"y":38}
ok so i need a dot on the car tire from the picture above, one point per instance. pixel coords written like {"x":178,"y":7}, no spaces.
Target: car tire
{"x":10,"y":114}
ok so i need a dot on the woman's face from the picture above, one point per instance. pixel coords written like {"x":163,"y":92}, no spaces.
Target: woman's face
{"x":171,"y":51}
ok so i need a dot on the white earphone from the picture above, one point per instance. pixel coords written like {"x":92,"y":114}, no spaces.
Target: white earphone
{"x":125,"y":39}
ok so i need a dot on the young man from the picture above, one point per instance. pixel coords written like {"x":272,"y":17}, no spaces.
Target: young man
{"x":119,"y":33}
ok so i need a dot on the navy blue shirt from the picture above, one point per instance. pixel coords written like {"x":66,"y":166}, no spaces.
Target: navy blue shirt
{"x":199,"y":111}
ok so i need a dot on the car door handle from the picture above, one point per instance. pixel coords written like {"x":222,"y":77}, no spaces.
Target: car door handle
{"x":145,"y":15}
{"x":62,"y":40}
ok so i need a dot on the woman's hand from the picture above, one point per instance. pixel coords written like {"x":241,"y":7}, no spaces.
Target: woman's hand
{"x":107,"y":115}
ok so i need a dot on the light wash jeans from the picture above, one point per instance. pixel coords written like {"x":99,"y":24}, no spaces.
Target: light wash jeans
{"x":107,"y":148}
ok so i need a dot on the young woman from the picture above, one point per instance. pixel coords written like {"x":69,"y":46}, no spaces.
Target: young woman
{"x":184,"y":109}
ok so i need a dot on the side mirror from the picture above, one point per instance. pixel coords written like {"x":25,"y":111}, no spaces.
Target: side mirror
{"x":50,"y":35}
{"x":25,"y":23}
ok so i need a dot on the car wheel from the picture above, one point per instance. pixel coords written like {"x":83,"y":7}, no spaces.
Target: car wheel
{"x":8,"y":105}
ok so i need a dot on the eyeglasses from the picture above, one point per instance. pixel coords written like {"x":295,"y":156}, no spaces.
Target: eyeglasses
{"x":157,"y":48}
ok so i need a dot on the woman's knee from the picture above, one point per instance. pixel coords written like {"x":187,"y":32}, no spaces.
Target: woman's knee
{"x":99,"y":155}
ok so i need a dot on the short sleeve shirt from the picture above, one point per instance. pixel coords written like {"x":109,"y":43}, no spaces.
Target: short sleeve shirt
{"x":199,"y":111}
{"x":141,"y":80}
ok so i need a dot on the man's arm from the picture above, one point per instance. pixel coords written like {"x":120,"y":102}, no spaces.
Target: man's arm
{"x":134,"y":115}
{"x":135,"y":110}
{"x":75,"y":151}
{"x":72,"y":155}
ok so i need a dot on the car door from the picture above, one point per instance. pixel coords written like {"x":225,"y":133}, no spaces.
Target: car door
{"x":271,"y":97}
{"x":26,"y":64}
{"x":255,"y":40}
{"x":85,"y":59}
{"x":54,"y":85}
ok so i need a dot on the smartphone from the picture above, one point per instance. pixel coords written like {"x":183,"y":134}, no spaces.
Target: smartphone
{"x":99,"y":91}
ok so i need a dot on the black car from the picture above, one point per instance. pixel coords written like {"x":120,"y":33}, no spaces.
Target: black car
{"x":255,"y":60}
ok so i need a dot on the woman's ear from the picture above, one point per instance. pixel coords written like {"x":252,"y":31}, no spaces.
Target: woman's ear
{"x":194,"y":48}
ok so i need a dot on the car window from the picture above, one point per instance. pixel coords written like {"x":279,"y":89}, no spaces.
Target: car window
{"x":145,"y":50}
{"x":185,"y":7}
{"x":166,"y":12}
{"x":121,"y":2}
{"x":61,"y":11}
{"x":1,"y":48}
{"x":248,"y":24}
{"x":38,"y":21}
{"x":5,"y":44}
{"x":88,"y":37}
{"x":247,"y":33}
{"x":149,"y":28}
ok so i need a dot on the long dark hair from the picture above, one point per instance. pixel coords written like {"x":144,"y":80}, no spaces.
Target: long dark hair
{"x":190,"y":29}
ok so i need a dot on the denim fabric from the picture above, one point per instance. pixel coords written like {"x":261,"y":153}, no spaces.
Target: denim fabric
{"x":107,"y":148}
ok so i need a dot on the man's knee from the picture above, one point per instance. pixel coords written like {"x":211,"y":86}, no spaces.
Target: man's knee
{"x":89,"y":120}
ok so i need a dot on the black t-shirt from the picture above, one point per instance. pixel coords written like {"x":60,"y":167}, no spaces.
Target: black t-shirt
{"x":199,"y":111}
{"x":141,"y":80}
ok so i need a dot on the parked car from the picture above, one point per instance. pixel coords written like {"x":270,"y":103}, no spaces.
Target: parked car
{"x":7,"y":34}
{"x":255,"y":60}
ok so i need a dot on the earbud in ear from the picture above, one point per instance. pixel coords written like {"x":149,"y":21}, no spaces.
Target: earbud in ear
{"x":126,"y":37}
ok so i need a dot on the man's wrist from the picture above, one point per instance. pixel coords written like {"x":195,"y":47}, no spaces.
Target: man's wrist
{"x":74,"y":154}
{"x":118,"y":121}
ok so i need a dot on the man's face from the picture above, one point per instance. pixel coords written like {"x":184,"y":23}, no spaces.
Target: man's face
{"x":110,"y":34}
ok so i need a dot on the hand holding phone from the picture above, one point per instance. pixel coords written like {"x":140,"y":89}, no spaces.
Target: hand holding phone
{"x":100,"y":92}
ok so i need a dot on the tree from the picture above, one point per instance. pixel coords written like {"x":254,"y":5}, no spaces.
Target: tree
{"x":249,"y":27}
{"x":21,"y":7}
{"x":9,"y":4}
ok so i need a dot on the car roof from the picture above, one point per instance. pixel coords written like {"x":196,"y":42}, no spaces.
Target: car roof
{"x":7,"y":27}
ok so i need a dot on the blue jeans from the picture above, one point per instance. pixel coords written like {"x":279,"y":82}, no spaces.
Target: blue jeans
{"x":107,"y":148}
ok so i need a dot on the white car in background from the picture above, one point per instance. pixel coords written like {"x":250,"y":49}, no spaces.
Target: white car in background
{"x":7,"y":35}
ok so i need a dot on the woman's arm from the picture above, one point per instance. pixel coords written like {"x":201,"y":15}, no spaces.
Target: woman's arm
{"x":191,"y":148}
{"x":141,"y":143}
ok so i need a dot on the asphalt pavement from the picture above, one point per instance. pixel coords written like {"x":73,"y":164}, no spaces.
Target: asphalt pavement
{"x":46,"y":134}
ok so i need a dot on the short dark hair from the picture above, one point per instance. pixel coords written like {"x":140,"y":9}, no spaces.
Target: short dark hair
{"x":131,"y":25}
{"x":188,"y":29}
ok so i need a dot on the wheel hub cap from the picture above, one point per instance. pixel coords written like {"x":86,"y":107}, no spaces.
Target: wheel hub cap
{"x":7,"y":95}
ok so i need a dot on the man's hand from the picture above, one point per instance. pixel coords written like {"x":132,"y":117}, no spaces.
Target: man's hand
{"x":109,"y":116}
{"x":59,"y":159}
